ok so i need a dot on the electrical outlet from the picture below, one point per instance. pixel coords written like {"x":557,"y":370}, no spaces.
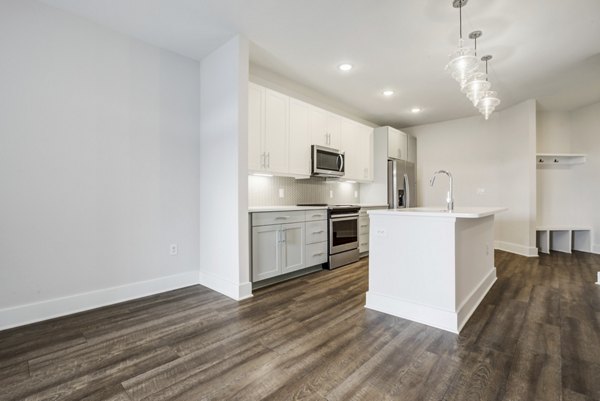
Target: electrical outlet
{"x":381,"y":233}
{"x":173,"y":249}
{"x":281,"y":193}
{"x":331,"y":193}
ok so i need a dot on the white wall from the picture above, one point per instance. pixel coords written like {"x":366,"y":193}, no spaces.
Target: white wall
{"x":493,"y":164}
{"x":570,"y":195}
{"x":224,"y":254}
{"x":99,"y":154}
{"x":585,"y":123}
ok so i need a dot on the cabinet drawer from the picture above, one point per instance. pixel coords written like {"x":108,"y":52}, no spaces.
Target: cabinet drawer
{"x":363,"y":242}
{"x":266,"y":218}
{"x":316,"y":231}
{"x":316,"y":253}
{"x":312,"y":215}
{"x":363,"y":212}
{"x":363,"y":225}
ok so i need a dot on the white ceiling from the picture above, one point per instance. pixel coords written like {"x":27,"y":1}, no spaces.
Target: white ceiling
{"x":545,"y":49}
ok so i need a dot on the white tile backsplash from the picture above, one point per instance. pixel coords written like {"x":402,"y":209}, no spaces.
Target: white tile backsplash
{"x":267,"y":191}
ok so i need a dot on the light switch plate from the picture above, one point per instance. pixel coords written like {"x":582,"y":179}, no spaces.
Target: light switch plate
{"x":331,"y":193}
{"x":281,"y":193}
{"x":356,"y":194}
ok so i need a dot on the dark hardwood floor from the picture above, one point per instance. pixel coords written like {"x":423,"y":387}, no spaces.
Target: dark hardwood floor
{"x":536,"y":336}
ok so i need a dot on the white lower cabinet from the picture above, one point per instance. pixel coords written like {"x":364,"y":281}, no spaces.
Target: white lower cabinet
{"x":279,"y":249}
{"x":293,"y":246}
{"x":316,"y":253}
{"x":266,"y":252}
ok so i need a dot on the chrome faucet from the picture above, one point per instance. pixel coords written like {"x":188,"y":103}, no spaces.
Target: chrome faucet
{"x":450,"y":195}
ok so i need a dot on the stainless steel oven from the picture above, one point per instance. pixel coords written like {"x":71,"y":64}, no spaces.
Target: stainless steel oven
{"x":343,"y":235}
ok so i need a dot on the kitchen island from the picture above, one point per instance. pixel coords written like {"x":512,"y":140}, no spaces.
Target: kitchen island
{"x":430,"y":265}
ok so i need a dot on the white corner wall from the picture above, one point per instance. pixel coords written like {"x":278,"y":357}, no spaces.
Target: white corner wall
{"x":224,"y":242}
{"x":493,"y":164}
{"x":585,"y":125}
{"x":99,"y":154}
{"x":570,"y":195}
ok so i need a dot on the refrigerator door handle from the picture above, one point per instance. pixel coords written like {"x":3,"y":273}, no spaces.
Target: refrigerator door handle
{"x":406,"y":191}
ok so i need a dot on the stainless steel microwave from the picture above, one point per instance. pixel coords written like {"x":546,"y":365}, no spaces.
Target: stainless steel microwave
{"x":327,"y":162}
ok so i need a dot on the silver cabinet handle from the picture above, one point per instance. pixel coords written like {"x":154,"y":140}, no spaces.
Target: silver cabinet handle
{"x":364,"y":243}
{"x":262,"y":160}
{"x":317,"y":215}
{"x":364,"y":225}
{"x":282,"y":217}
{"x":317,"y":254}
{"x":268,"y":159}
{"x":317,"y":232}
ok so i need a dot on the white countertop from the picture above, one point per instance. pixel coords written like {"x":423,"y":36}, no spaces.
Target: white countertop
{"x":256,"y":209}
{"x":459,"y":212}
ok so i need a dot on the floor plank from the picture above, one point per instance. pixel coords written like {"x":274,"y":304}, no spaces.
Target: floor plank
{"x":535,"y":336}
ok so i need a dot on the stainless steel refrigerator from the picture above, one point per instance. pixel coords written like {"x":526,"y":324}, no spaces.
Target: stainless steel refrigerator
{"x":402,"y":184}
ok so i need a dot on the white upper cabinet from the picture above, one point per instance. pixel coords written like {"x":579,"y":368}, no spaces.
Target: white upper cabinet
{"x":276,"y":131}
{"x":397,"y":144}
{"x":325,"y":128}
{"x":365,"y":140}
{"x":268,"y":130}
{"x":299,"y":139}
{"x":357,"y":143}
{"x":256,"y":126}
{"x":282,"y":129}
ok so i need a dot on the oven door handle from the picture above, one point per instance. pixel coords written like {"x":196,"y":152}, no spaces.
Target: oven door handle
{"x":349,"y":216}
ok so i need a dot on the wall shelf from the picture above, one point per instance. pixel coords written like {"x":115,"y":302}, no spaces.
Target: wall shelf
{"x":564,"y":238}
{"x":553,"y":159}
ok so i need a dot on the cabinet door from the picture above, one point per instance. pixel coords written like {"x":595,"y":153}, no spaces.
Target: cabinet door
{"x":256,"y":126}
{"x":299,"y":139}
{"x":318,"y":126}
{"x":349,"y":136}
{"x":266,"y":252}
{"x":397,"y":144}
{"x":412,"y":149}
{"x":365,"y":144}
{"x":276,"y":131}
{"x":334,"y":127}
{"x":293,"y":247}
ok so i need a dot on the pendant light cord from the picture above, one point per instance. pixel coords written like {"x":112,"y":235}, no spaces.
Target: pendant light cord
{"x":460,"y":17}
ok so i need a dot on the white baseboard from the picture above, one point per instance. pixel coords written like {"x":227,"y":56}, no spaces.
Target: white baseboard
{"x":466,"y":309}
{"x":44,"y":310}
{"x":516,"y":248}
{"x":442,"y":319}
{"x":596,"y":248}
{"x":425,"y":314}
{"x":226,"y":287}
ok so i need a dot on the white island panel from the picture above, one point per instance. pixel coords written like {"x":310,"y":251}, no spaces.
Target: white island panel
{"x":431,"y":266}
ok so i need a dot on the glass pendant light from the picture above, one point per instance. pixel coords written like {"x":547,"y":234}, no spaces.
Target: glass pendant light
{"x":462,"y":60}
{"x":476,"y":83}
{"x":488,"y":102}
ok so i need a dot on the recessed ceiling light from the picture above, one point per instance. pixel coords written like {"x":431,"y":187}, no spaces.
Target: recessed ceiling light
{"x":345,"y":67}
{"x":388,"y":92}
{"x":416,"y":110}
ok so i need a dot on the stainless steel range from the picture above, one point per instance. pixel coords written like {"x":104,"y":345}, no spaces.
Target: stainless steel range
{"x":343,"y":234}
